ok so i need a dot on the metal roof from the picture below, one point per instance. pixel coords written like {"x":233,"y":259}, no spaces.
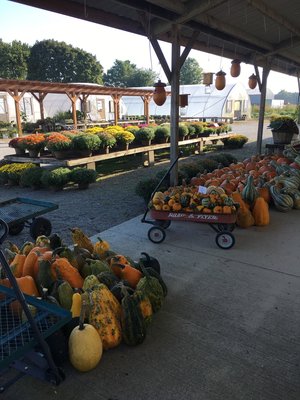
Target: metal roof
{"x":259,"y":32}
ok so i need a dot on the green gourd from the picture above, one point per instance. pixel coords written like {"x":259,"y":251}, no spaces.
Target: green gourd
{"x":65,"y":294}
{"x":249,"y":192}
{"x":94,"y":267}
{"x":108,"y":278}
{"x":44,"y":278}
{"x":151,"y":287}
{"x":132,"y":321}
{"x":89,"y":282}
{"x":145,"y":306}
{"x":282,"y":202}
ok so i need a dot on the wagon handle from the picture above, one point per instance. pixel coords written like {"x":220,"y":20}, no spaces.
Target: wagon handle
{"x":3,"y":225}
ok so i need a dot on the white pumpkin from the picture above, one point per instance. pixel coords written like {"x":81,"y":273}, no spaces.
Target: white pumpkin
{"x":85,"y":348}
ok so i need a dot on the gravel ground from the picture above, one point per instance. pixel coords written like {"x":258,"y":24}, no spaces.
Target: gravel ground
{"x":106,"y":203}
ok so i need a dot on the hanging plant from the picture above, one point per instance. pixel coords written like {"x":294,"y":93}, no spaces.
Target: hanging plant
{"x":220,"y":81}
{"x":235,"y":69}
{"x":252,"y":82}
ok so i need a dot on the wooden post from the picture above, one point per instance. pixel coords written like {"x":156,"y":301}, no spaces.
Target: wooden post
{"x":17,"y":97}
{"x":116,"y":100}
{"x":83,"y":101}
{"x":174,"y":117}
{"x":73,"y":97}
{"x":40,"y":98}
{"x":263,"y":90}
{"x":146,"y":100}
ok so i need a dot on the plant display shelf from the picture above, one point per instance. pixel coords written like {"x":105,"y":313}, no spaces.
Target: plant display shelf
{"x":23,"y":349}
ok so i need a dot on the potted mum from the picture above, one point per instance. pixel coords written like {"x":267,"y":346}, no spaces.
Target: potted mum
{"x":162,"y":133}
{"x":34,"y":144}
{"x":85,"y":144}
{"x":124,"y":138}
{"x":283,"y":129}
{"x":56,"y":179}
{"x":145,"y":135}
{"x":83,"y":177}
{"x":19,"y":146}
{"x":107,"y":141}
{"x":59,"y":145}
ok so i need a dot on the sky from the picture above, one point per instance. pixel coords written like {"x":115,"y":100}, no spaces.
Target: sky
{"x":29,"y":24}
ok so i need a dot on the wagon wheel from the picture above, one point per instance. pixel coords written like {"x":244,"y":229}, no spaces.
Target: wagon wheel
{"x":225,"y":240}
{"x":15,"y":229}
{"x":40,"y":226}
{"x":163,"y":223}
{"x":225,"y":227}
{"x":156,"y":234}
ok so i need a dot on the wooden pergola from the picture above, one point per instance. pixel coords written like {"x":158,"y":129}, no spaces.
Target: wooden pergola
{"x":75,"y":91}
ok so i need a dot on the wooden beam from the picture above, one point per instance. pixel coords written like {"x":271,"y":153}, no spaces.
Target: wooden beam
{"x":188,"y":47}
{"x":192,"y":9}
{"x":73,"y":97}
{"x":161,"y":57}
{"x":116,"y":100}
{"x":146,"y":101}
{"x":278,"y":18}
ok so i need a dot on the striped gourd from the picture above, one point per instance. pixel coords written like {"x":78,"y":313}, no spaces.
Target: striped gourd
{"x":250,"y":193}
{"x":282,"y":202}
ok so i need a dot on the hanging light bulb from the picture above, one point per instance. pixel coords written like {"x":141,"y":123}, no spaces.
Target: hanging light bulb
{"x":252,"y":82}
{"x":235,"y":68}
{"x":159,"y":94}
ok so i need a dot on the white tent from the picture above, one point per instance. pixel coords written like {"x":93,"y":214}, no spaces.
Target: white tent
{"x":203,"y":102}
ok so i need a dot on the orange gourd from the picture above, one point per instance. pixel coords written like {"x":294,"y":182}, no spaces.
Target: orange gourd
{"x":30,"y":266}
{"x":218,"y":210}
{"x":265,"y":194}
{"x":227,"y":210}
{"x":27,"y":286}
{"x":244,"y":217}
{"x":17,"y":265}
{"x":63,"y":268}
{"x":130,"y":274}
{"x":261,"y":212}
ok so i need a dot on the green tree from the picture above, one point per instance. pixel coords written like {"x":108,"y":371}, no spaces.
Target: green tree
{"x":13,"y":60}
{"x":288,"y":97}
{"x":191,"y":72}
{"x":126,"y":74}
{"x":53,"y":61}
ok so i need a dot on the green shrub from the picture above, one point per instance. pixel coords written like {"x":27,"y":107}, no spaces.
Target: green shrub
{"x":144,"y":134}
{"x":198,"y":127}
{"x":162,"y":133}
{"x":106,"y":139}
{"x":189,"y":170}
{"x":86,"y":142}
{"x":192,"y":129}
{"x":83,"y":175}
{"x":234,"y":142}
{"x":208,"y":164}
{"x":183,"y":130}
{"x":57,"y":178}
{"x":13,"y":171}
{"x":145,"y":188}
{"x":32,"y":178}
{"x":221,"y":159}
{"x":230,"y":158}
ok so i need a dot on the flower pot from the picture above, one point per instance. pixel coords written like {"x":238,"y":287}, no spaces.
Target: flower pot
{"x":33,"y":153}
{"x":282,"y":137}
{"x":19,"y":152}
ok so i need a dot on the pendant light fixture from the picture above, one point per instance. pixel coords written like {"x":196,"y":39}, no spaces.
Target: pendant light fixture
{"x":252,"y":82}
{"x":235,"y":68}
{"x":220,"y":81}
{"x":159,"y":94}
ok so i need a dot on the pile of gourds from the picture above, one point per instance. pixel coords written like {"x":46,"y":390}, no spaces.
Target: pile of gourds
{"x":188,"y":199}
{"x":119,"y":295}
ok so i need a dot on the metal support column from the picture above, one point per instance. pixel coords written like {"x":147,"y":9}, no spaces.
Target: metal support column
{"x":263,"y":90}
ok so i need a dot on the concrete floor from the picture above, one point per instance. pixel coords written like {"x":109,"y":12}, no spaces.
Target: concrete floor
{"x":229,"y":327}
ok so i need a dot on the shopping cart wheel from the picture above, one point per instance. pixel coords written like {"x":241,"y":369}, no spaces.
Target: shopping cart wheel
{"x":225,"y":227}
{"x":40,"y":226}
{"x":163,"y":223}
{"x":16,"y":228}
{"x":156,"y":234}
{"x":225,"y":240}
